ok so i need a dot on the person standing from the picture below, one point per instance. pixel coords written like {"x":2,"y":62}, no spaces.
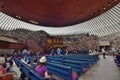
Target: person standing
{"x":119,"y":51}
{"x":52,"y":52}
{"x":24,"y":54}
{"x":90,"y":52}
{"x":103,"y":52}
{"x":113,"y":51}
{"x":59,"y":51}
{"x":66,"y":52}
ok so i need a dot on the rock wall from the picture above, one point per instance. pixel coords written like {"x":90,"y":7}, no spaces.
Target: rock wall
{"x":36,"y":40}
{"x":81,"y":42}
{"x":114,"y":40}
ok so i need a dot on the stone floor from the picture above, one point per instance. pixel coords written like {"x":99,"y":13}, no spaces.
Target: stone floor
{"x":105,"y":69}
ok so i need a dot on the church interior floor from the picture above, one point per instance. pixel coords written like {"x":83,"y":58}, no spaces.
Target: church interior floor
{"x":105,"y":69}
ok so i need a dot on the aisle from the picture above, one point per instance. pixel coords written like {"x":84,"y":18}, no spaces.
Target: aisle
{"x":105,"y":69}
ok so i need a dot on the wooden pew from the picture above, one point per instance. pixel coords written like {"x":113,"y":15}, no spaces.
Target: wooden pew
{"x":75,"y":65}
{"x":28,"y":72}
{"x":62,"y":71}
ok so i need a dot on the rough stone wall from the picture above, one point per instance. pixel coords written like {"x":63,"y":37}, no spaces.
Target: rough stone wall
{"x":34,"y":40}
{"x":81,"y":42}
{"x":114,"y":40}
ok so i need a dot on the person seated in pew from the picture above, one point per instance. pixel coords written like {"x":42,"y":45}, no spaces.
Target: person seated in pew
{"x":31,"y":66}
{"x":6,"y":66}
{"x":75,"y":76}
{"x":35,"y":63}
{"x":3,"y":69}
{"x":41,"y":69}
{"x":9,"y":60}
{"x":22,"y":75}
{"x":9,"y":64}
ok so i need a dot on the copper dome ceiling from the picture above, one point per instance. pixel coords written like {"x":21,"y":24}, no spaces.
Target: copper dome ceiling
{"x":55,"y":13}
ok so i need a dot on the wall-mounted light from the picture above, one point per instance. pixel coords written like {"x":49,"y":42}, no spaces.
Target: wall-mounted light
{"x":18,"y":17}
{"x":104,"y":8}
{"x":34,"y":22}
{"x":109,"y":3}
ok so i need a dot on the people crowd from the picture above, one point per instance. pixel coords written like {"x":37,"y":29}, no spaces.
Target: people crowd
{"x":39,"y":65}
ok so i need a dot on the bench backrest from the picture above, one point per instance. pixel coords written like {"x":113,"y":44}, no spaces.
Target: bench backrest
{"x":75,"y":65}
{"x":62,"y":71}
